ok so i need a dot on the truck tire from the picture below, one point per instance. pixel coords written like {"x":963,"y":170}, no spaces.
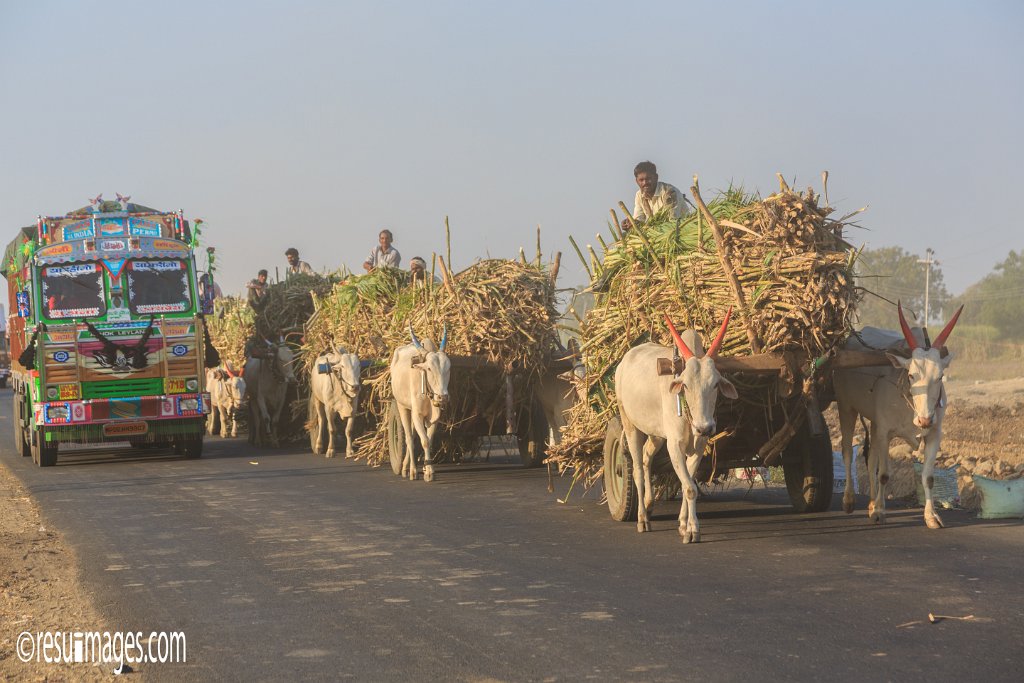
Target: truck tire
{"x":3,"y":382}
{"x":21,"y":444}
{"x":190,"y":447}
{"x":807,"y":465}
{"x":619,"y":489}
{"x":44,"y":453}
{"x":532,"y":436}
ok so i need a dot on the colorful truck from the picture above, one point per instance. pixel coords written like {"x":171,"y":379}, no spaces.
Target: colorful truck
{"x":107,"y":336}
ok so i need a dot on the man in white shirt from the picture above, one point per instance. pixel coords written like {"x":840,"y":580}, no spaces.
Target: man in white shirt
{"x":654,"y":196}
{"x":296,"y":266}
{"x":383,"y":255}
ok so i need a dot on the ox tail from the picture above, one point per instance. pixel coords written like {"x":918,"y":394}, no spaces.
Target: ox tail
{"x":311,"y":413}
{"x":867,"y":441}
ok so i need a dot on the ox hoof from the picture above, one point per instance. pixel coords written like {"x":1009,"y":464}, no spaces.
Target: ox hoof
{"x":933,"y":521}
{"x":330,"y":453}
{"x":689,"y":536}
{"x":428,"y":474}
{"x":642,"y":526}
{"x":848,"y":506}
{"x":349,"y":454}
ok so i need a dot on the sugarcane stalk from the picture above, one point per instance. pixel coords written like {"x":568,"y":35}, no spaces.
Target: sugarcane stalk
{"x":555,"y":265}
{"x":638,"y":230}
{"x":616,"y":228}
{"x":538,"y":246}
{"x":446,"y":277}
{"x":579,"y":253}
{"x":448,"y":240}
{"x":725,"y":258}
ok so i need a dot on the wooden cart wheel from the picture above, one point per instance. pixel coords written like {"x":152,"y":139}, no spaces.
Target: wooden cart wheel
{"x":532,"y":436}
{"x":807,"y":465}
{"x":619,"y":489}
{"x":396,"y":438}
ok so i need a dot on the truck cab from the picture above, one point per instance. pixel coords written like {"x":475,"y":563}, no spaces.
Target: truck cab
{"x":108,"y":340}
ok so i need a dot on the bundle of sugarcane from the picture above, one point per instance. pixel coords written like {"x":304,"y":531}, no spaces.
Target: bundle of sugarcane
{"x":231,"y":324}
{"x":288,"y":304}
{"x":780,"y":262}
{"x":500,"y":311}
{"x":359,"y":314}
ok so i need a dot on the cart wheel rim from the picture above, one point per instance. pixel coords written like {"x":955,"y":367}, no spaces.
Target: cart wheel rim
{"x":617,"y":475}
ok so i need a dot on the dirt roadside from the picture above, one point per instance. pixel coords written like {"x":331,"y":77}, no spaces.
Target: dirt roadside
{"x":39,"y":589}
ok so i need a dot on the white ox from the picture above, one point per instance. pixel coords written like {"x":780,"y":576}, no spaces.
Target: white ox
{"x":678,"y":411}
{"x":268,"y":382}
{"x":907,"y":401}
{"x":419,"y":382}
{"x":558,"y":392}
{"x":227,"y":391}
{"x":334,"y":390}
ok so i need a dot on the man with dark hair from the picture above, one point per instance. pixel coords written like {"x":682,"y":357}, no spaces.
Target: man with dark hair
{"x":295,"y":266}
{"x":257,"y":291}
{"x":654,"y":196}
{"x":383,"y":255}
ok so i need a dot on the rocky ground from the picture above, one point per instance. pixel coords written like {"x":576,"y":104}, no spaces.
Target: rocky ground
{"x":983,"y":434}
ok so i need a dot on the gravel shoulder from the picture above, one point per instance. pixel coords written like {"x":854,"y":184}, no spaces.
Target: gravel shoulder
{"x":40,"y":588}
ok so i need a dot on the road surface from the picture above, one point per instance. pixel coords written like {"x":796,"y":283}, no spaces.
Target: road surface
{"x":302,"y":568}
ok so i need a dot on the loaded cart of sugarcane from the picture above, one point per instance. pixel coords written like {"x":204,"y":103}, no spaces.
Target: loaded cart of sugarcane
{"x":494,"y":321}
{"x":781,"y":267}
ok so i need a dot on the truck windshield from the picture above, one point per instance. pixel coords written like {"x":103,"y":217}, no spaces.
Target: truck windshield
{"x":158,"y":287}
{"x":73,"y":291}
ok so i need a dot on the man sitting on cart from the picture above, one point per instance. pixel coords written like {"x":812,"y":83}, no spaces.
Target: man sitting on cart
{"x":654,"y":196}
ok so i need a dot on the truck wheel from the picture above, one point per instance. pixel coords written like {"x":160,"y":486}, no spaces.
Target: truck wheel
{"x":532,"y":436}
{"x":21,"y":446}
{"x":396,"y":438}
{"x":619,"y":489}
{"x":191,"y":447}
{"x":807,"y":465}
{"x":44,"y":453}
{"x":3,"y":382}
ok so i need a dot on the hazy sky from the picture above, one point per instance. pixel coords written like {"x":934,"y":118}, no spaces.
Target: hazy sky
{"x":315,"y":124}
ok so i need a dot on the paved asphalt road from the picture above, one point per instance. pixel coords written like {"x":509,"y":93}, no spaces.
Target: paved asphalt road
{"x":300,"y":568}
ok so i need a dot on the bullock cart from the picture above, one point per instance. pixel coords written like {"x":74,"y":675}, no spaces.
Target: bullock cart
{"x":776,"y":420}
{"x":782,"y":266}
{"x":508,"y":412}
{"x":497,"y":317}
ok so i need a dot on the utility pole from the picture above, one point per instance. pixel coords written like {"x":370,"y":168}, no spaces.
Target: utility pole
{"x":927,"y":261}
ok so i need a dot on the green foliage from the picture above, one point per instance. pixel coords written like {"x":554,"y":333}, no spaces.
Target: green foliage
{"x":997,"y":300}
{"x":889,"y":275}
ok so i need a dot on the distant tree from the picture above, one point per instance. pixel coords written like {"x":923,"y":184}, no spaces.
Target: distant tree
{"x":998,"y":298}
{"x":891,"y":274}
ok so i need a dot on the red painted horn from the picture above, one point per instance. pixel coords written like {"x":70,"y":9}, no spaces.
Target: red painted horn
{"x":680,"y":344}
{"x":941,"y":339}
{"x":907,"y":334}
{"x":717,"y":344}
